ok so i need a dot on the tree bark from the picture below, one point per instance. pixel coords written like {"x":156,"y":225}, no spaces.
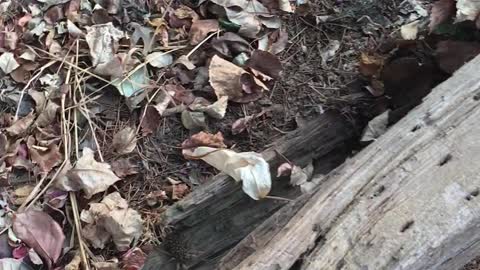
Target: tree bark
{"x":410,"y":200}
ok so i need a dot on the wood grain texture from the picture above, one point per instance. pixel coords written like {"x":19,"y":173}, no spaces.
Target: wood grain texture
{"x":410,"y":200}
{"x":216,"y":216}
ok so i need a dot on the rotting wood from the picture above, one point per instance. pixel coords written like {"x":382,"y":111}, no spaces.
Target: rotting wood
{"x":410,"y":200}
{"x":216,"y":216}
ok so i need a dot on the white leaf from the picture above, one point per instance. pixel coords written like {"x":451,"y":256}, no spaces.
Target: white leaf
{"x":8,"y":62}
{"x":249,"y":167}
{"x":285,"y":5}
{"x":329,"y":51}
{"x":467,"y":10}
{"x":132,"y":85}
{"x":409,"y":31}
{"x":159,"y":59}
{"x":88,"y":175}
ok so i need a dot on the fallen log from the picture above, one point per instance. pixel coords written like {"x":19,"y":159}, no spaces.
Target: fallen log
{"x":410,"y":200}
{"x":216,"y":216}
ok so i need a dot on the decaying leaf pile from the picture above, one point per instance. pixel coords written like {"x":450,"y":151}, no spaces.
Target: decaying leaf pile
{"x":65,"y":65}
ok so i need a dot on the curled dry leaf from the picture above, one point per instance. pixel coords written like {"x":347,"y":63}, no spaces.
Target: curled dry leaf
{"x":20,"y":126}
{"x":103,"y":40}
{"x":124,"y":141}
{"x":241,"y":124}
{"x":370,"y":64}
{"x":113,"y":217}
{"x":88,"y":175}
{"x":124,"y":167}
{"x":216,"y":110}
{"x":284,"y":169}
{"x":228,"y":79}
{"x":248,"y":167}
{"x":40,"y":232}
{"x":266,"y":63}
{"x":200,"y":30}
{"x":8,"y":62}
{"x":442,"y":10}
{"x":204,"y":139}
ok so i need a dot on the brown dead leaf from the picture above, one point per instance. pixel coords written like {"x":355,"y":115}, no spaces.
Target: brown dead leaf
{"x":124,"y":167}
{"x":20,"y":75}
{"x":200,"y":30}
{"x":45,"y":157}
{"x":442,"y":10}
{"x":40,"y":232}
{"x":228,"y":79}
{"x":241,"y":124}
{"x":53,"y":14}
{"x":177,"y":189}
{"x":151,"y":121}
{"x":103,"y":40}
{"x":266,"y":63}
{"x":124,"y":141}
{"x":204,"y":139}
{"x":20,"y":126}
{"x":113,"y":217}
{"x":451,"y":55}
{"x":89,"y":175}
{"x":370,"y":64}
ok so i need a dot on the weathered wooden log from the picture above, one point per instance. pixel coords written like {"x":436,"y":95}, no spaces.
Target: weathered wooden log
{"x":410,"y":200}
{"x":216,"y":216}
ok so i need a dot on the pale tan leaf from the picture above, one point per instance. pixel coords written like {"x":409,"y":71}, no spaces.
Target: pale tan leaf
{"x":89,"y":175}
{"x":114,"y":218}
{"x":124,"y":141}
